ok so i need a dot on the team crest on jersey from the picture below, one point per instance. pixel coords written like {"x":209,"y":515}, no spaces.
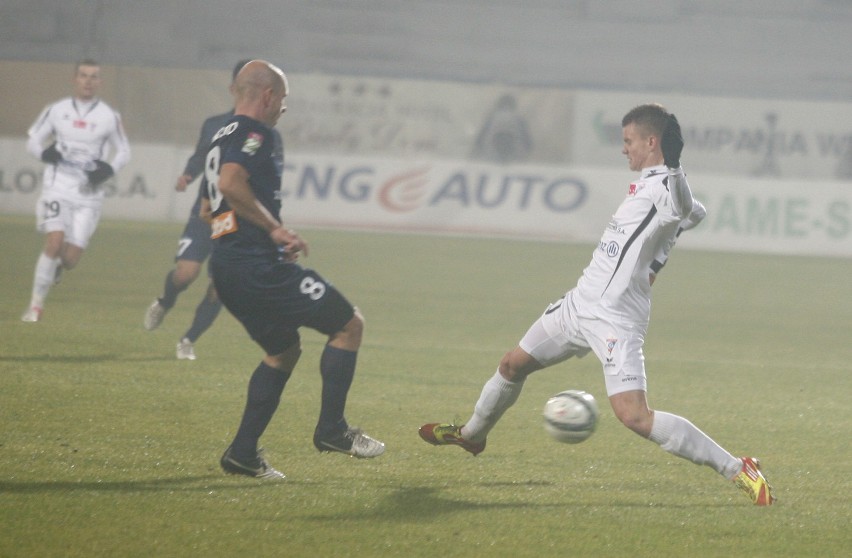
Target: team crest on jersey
{"x":610,"y":346}
{"x":631,"y":191}
{"x":252,"y":143}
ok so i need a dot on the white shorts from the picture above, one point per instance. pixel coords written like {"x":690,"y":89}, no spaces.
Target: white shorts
{"x":560,"y":333}
{"x":77,"y":221}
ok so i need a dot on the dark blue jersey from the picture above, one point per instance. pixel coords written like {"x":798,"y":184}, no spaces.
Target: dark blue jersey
{"x":195,"y":163}
{"x":252,"y":145}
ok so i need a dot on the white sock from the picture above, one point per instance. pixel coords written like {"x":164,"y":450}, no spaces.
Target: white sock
{"x":498,"y":394}
{"x":45,"y":273}
{"x":680,"y":437}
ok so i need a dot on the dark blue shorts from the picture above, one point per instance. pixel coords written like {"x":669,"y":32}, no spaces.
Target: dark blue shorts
{"x":274,"y":299}
{"x":194,"y":243}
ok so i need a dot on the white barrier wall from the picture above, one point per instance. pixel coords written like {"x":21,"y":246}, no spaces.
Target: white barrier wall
{"x":571,"y":204}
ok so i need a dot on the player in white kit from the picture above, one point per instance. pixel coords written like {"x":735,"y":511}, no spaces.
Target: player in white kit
{"x":74,"y":137}
{"x":607,"y":312}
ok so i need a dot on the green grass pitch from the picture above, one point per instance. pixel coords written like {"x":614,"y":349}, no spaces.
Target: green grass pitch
{"x":109,"y":446}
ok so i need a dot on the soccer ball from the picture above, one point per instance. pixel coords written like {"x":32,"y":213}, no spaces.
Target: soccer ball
{"x":571,"y":416}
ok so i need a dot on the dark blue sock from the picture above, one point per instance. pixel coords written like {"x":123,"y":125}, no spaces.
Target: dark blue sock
{"x":337,"y":368}
{"x":170,"y":292}
{"x":264,"y":393}
{"x":205,"y":315}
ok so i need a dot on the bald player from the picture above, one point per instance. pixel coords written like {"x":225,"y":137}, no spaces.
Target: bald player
{"x":255,"y":271}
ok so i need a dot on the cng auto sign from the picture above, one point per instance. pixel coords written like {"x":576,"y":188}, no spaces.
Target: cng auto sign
{"x":569,"y":204}
{"x":439,"y":196}
{"x":554,"y":203}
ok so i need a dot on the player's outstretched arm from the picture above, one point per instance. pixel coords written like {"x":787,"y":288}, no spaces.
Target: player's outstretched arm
{"x":695,"y":216}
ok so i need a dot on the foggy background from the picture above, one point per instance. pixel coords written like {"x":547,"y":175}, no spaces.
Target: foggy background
{"x":384,"y":90}
{"x":789,"y":49}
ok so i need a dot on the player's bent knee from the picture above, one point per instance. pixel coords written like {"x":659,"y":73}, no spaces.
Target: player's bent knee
{"x":516,"y":365}
{"x":355,"y":328}
{"x":349,"y":338}
{"x":286,"y":360}
{"x":637,"y":421}
{"x":359,"y":316}
{"x":183,"y":277}
{"x":70,"y":262}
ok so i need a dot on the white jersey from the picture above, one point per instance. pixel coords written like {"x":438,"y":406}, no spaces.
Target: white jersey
{"x":82,"y":131}
{"x":615,"y":286}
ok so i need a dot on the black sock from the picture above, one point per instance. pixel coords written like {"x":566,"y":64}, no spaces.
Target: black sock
{"x":205,"y":315}
{"x":337,"y":367}
{"x":264,"y":393}
{"x":170,"y":292}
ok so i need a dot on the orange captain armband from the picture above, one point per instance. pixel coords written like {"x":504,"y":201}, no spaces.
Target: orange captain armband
{"x":223,"y":224}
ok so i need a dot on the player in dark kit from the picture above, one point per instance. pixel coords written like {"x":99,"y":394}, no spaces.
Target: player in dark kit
{"x":194,"y":245}
{"x":258,"y":280}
